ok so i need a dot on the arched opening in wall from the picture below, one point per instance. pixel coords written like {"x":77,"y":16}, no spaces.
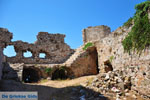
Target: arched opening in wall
{"x":60,"y":73}
{"x":42,"y":55}
{"x":27,"y":54}
{"x":31,"y":75}
{"x":108,"y":66}
{"x":9,"y":51}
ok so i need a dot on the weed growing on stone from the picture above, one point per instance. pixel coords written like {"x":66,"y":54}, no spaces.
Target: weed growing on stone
{"x":111,"y":58}
{"x":89,"y":44}
{"x":48,"y":70}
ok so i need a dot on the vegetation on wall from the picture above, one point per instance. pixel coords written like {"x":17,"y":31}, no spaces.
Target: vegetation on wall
{"x":129,"y":22}
{"x":111,"y":58}
{"x":89,"y":44}
{"x":48,"y":70}
{"x":139,"y":36}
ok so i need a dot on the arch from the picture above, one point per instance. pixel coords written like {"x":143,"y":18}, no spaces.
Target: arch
{"x":60,"y":73}
{"x":31,"y":75}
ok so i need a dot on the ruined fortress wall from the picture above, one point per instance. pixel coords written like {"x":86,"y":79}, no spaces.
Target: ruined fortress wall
{"x":111,"y":54}
{"x":137,"y":67}
{"x":95,"y":33}
{"x":1,"y":60}
{"x":82,"y":62}
{"x":5,"y":37}
{"x":52,"y":45}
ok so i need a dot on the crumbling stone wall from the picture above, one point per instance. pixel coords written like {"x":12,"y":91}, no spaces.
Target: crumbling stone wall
{"x":110,"y":50}
{"x":95,"y":33}
{"x":5,"y":37}
{"x":83,"y":62}
{"x":52,"y":45}
{"x":1,"y":64}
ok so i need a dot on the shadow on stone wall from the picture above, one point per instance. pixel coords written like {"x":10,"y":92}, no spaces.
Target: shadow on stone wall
{"x":9,"y":73}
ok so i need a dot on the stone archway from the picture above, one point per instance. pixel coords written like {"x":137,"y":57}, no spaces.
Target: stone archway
{"x":60,"y":73}
{"x":31,"y":74}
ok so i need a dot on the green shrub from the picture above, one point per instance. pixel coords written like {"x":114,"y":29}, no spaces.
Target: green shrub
{"x":48,"y":70}
{"x":139,"y":36}
{"x":89,"y":44}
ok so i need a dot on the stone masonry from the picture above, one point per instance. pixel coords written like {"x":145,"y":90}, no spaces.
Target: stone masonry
{"x":52,"y":45}
{"x":95,"y":33}
{"x":82,"y":62}
{"x":1,"y":62}
{"x":111,"y":55}
{"x":107,"y":50}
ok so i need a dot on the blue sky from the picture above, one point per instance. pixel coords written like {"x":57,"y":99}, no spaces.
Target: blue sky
{"x":25,"y":18}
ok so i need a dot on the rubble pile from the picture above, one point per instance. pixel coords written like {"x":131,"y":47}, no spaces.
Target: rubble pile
{"x":113,"y":81}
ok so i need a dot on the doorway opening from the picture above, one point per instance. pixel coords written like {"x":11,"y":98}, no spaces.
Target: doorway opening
{"x":94,"y":58}
{"x":31,"y":75}
{"x":60,"y":73}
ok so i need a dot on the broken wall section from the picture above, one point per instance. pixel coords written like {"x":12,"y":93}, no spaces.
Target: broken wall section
{"x":52,"y":45}
{"x":1,"y":62}
{"x":138,"y":68}
{"x":5,"y":37}
{"x":95,"y":33}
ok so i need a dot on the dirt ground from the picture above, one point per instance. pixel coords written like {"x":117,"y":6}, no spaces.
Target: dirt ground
{"x":67,"y":82}
{"x":55,"y":90}
{"x":62,"y":89}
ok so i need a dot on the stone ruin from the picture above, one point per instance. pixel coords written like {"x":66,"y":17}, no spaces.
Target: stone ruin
{"x":52,"y":45}
{"x":78,"y":62}
{"x":95,"y":33}
{"x":105,"y":56}
{"x":1,"y":60}
{"x":119,"y":72}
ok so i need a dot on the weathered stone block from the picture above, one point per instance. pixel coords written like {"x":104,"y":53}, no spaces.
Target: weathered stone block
{"x":95,"y":33}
